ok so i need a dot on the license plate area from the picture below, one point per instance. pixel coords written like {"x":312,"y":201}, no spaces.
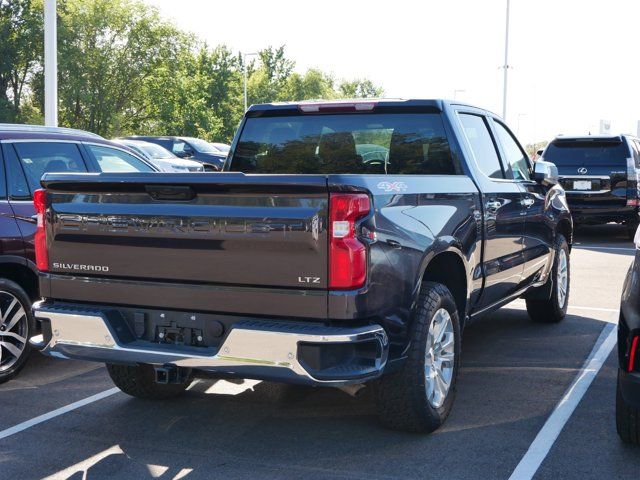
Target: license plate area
{"x":583,"y":185}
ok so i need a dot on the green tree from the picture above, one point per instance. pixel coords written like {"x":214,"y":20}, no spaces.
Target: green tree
{"x":107,"y":50}
{"x":360,"y":88}
{"x":21,"y":51}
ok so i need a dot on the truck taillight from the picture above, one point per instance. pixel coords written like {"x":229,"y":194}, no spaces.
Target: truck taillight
{"x":633,"y":352}
{"x":40,"y":239}
{"x":347,"y":255}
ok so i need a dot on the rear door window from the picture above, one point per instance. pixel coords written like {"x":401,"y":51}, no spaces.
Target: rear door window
{"x":38,"y":158}
{"x":484,"y":150}
{"x":414,"y":144}
{"x":112,"y":160}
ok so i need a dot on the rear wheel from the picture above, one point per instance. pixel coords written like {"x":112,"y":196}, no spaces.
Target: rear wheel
{"x":139,"y":381}
{"x":16,"y":326}
{"x":419,"y":397}
{"x":553,"y":308}
{"x":627,"y":419}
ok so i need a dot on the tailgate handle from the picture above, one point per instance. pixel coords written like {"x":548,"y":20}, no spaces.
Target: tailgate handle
{"x":171,"y":192}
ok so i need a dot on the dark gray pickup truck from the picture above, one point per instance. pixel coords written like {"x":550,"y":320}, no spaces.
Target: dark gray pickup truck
{"x":344,"y":243}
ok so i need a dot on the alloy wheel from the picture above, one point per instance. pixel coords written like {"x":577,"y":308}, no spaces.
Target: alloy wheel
{"x":13,"y":330}
{"x":562,"y":278}
{"x":439,"y":358}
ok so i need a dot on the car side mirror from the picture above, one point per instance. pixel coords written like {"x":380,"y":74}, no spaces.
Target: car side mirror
{"x":545,"y":173}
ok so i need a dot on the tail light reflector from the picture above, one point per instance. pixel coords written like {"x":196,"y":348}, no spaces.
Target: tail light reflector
{"x":347,"y":255}
{"x":632,"y":354}
{"x":633,"y":202}
{"x":40,"y":239}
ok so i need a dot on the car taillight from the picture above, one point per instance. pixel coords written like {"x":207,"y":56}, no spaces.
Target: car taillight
{"x":40,"y":239}
{"x":632,"y":354}
{"x":347,"y":255}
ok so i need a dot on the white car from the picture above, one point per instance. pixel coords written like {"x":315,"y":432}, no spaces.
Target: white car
{"x":161,"y":157}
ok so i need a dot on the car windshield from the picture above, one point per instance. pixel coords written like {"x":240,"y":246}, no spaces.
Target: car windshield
{"x":345,"y":143}
{"x":154,"y":151}
{"x":586,"y":153}
{"x":201,"y":145}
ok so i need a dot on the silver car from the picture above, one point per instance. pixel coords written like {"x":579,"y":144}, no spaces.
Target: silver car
{"x":161,"y":157}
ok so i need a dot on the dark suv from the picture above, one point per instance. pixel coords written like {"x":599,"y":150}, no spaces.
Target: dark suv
{"x":26,"y":153}
{"x":599,"y":175}
{"x":196,"y":149}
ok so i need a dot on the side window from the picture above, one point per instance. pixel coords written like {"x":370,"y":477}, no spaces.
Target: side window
{"x":515,"y":157}
{"x":3,"y":183}
{"x":484,"y":151}
{"x":38,"y":158}
{"x":111,"y":160}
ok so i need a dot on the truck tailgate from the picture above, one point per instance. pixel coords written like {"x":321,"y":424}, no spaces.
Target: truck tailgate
{"x":224,"y":228}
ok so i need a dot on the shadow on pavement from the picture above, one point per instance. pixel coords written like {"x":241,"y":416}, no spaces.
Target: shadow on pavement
{"x":513,"y":373}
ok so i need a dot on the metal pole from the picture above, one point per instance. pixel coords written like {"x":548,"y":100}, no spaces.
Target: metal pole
{"x":505,"y":66}
{"x":50,"y":65}
{"x":245,"y":82}
{"x":244,"y":61}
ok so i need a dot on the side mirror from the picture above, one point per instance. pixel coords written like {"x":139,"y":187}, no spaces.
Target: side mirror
{"x":545,"y":173}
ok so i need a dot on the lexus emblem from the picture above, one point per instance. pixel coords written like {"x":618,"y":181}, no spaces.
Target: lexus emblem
{"x":582,"y":171}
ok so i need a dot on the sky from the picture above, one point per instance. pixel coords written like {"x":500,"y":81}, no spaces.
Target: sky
{"x":572,"y":62}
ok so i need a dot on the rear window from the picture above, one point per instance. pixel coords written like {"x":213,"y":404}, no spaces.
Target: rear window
{"x":587,"y":153}
{"x":347,"y":143}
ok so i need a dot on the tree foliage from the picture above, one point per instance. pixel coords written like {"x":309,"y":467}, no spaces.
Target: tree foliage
{"x":123,"y":69}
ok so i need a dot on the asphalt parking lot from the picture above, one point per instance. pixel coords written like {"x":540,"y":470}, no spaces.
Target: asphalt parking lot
{"x":514,"y":375}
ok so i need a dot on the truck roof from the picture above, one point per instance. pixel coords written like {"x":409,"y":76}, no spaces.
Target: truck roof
{"x":400,"y":103}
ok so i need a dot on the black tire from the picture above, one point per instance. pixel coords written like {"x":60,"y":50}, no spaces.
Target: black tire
{"x":25,"y":328}
{"x":401,"y":397}
{"x":627,"y":419}
{"x":544,"y":306}
{"x":139,"y":381}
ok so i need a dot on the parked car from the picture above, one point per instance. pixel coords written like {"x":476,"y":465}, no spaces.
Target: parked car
{"x":26,"y":153}
{"x":628,"y":384}
{"x":160,"y":156}
{"x":302,"y":263}
{"x":600,"y":175}
{"x":192,"y":148}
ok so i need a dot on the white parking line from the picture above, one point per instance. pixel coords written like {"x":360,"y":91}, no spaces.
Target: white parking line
{"x":595,"y":247}
{"x":56,"y":413}
{"x":547,"y":436}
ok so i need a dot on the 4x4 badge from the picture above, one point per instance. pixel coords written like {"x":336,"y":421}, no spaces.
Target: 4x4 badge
{"x":582,"y":171}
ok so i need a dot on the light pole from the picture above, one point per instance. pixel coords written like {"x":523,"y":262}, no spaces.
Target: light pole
{"x":244,"y":62}
{"x":50,"y":65}
{"x":505,"y":66}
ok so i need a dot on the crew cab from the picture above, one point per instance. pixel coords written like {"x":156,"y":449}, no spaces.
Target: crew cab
{"x":305,"y":262}
{"x":26,"y":152}
{"x":600,"y":176}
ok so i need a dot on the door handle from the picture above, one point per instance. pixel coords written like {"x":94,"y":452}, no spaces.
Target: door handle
{"x":527,"y":202}
{"x":493,"y":205}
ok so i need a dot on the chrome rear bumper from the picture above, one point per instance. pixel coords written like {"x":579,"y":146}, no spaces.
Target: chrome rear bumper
{"x":261,"y":349}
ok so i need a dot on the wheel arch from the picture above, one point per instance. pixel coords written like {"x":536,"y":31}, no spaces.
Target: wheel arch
{"x":449,"y":267}
{"x":565,"y":228}
{"x":22,"y":272}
